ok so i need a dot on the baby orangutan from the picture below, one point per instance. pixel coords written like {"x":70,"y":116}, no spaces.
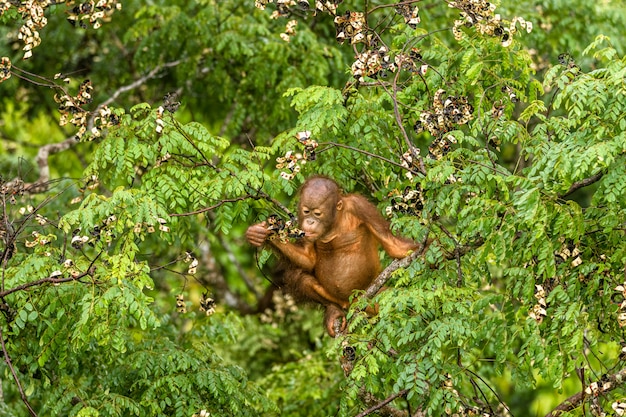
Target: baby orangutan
{"x":339,"y":252}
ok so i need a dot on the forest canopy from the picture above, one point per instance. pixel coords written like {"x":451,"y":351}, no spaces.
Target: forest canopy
{"x":139,"y":140}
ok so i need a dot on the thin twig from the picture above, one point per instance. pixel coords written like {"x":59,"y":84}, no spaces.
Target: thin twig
{"x":373,"y":155}
{"x":7,"y":359}
{"x":490,"y":389}
{"x":402,"y":3}
{"x":398,"y":116}
{"x":383,"y":403}
{"x":214,"y":206}
{"x":136,"y":83}
{"x":605,"y":384}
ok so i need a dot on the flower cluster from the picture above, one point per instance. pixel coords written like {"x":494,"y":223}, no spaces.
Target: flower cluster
{"x":327,"y":6}
{"x":410,"y":14}
{"x":33,"y":15}
{"x":282,"y":230}
{"x":538,"y":311}
{"x":350,"y":26}
{"x":619,"y":407}
{"x":207,"y":305}
{"x":104,"y":119}
{"x":410,"y":201}
{"x":103,"y":232}
{"x":193,"y":263}
{"x":93,"y":12}
{"x":445,"y":115}
{"x":410,"y":161}
{"x":412,"y":62}
{"x":284,"y":8}
{"x":290,"y":30}
{"x":480,"y":14}
{"x":569,"y":252}
{"x":181,"y":307}
{"x":293,"y":160}
{"x":621,"y":317}
{"x":372,"y":63}
{"x":283,"y":305}
{"x":440,"y":146}
{"x":71,"y":107}
{"x":150,"y":226}
{"x":5,"y":69}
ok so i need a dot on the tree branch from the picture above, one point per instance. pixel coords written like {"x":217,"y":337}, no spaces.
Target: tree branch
{"x":137,"y":83}
{"x":41,"y":184}
{"x":384,"y":276}
{"x":605,"y":384}
{"x":7,"y":359}
{"x":583,"y":183}
{"x":384,"y":403}
{"x":50,"y":280}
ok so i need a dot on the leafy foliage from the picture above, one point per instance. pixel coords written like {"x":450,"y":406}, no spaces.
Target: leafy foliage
{"x":496,"y":131}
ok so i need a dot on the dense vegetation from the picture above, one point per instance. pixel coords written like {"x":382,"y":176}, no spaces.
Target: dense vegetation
{"x":140,"y":139}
